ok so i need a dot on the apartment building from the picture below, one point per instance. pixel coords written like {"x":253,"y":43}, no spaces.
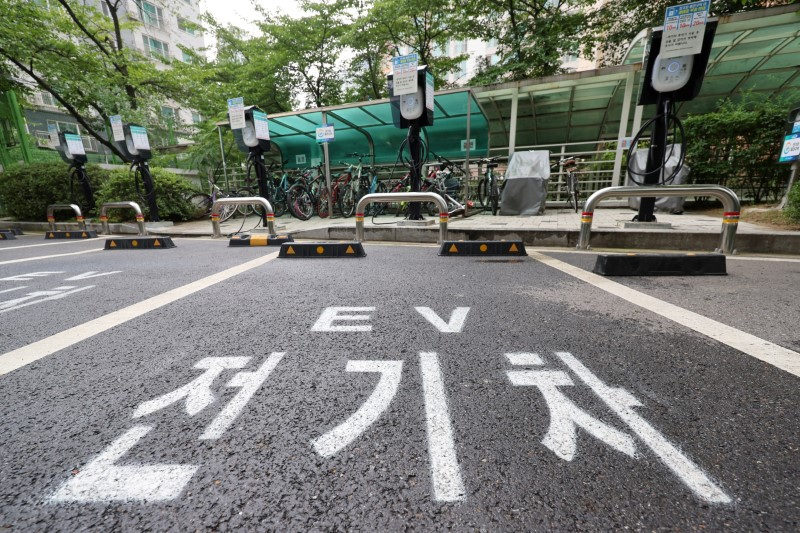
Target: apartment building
{"x":165,"y":27}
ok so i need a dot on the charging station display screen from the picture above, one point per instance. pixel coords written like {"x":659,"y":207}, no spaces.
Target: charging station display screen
{"x":791,"y":148}
{"x":74,"y":144}
{"x":139,"y":137}
{"x":236,"y":112}
{"x":261,"y":125}
{"x":116,"y":127}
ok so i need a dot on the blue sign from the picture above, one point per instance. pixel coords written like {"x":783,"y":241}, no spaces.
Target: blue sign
{"x":796,"y":127}
{"x":791,"y":148}
{"x":325,"y":133}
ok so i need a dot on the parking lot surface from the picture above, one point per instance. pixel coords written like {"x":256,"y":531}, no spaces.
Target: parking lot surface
{"x":214,"y":388}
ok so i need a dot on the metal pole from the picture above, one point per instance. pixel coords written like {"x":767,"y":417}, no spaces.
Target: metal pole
{"x":402,"y":197}
{"x":242,"y":200}
{"x":466,"y":154}
{"x":131,"y":205}
{"x":512,"y":133}
{"x":616,"y":176}
{"x":326,"y":156}
{"x":224,"y":164}
{"x":149,"y":190}
{"x":415,"y":149}
{"x":51,"y":209}
{"x":655,"y":159}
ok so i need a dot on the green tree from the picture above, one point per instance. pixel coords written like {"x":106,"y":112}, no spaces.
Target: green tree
{"x":532,"y":35}
{"x":78,"y":55}
{"x":612,"y":27}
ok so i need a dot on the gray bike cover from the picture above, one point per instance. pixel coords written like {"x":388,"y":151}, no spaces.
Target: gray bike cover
{"x":525,"y":190}
{"x":663,"y":205}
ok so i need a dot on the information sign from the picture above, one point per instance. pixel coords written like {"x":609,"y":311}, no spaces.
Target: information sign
{"x":684,"y":27}
{"x":52,"y":129}
{"x":791,"y":148}
{"x":139,"y":137}
{"x":796,"y":127}
{"x":236,"y":112}
{"x":300,"y":159}
{"x":116,"y":127}
{"x":429,"y":91}
{"x":464,"y":144}
{"x":325,"y":133}
{"x":404,"y":72}
{"x":74,"y":144}
{"x":261,"y":124}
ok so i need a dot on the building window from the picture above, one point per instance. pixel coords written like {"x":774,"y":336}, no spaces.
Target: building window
{"x":151,"y":15}
{"x":155,"y":48}
{"x":47,"y":99}
{"x":186,"y":57}
{"x":196,"y":118}
{"x":168,"y":112}
{"x":186,"y":26}
{"x":64,"y":127}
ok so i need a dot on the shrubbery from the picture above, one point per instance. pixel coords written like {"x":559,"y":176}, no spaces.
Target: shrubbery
{"x":27,"y":190}
{"x":171,"y":193}
{"x":792,"y":210}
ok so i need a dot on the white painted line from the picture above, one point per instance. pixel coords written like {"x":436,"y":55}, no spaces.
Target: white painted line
{"x":249,"y":383}
{"x":768,"y":259}
{"x":26,"y":259}
{"x":525,"y":359}
{"x":326,"y":320}
{"x":342,"y":435}
{"x":55,"y":294}
{"x":454,"y":325}
{"x":753,"y":346}
{"x":20,"y":357}
{"x":101,"y":480}
{"x":76,"y":241}
{"x":622,"y":404}
{"x":445,"y":472}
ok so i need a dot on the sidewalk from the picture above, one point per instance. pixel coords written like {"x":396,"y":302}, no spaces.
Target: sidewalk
{"x":556,"y":228}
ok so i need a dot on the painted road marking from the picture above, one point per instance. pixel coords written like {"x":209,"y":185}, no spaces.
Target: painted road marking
{"x":5,"y":249}
{"x":55,"y":293}
{"x":92,"y":274}
{"x":12,"y":261}
{"x":454,"y":325}
{"x":778,"y":356}
{"x":102,"y":480}
{"x":326,"y":320}
{"x":31,"y":275}
{"x":622,"y":403}
{"x":445,"y":471}
{"x":370,"y":411}
{"x":20,"y":357}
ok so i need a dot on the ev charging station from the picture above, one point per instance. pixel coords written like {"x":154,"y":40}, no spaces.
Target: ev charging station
{"x":411,"y":97}
{"x":70,"y":148}
{"x":251,"y":133}
{"x":135,"y":146}
{"x":676,"y":65}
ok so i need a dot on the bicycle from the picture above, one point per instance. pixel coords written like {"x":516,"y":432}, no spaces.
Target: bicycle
{"x":571,"y":184}
{"x":299,"y":199}
{"x":359,"y":185}
{"x":488,"y":188}
{"x":442,"y":180}
{"x":275,"y":193}
{"x":203,"y":203}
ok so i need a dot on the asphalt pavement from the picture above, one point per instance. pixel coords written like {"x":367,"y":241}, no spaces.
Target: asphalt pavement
{"x":214,"y":388}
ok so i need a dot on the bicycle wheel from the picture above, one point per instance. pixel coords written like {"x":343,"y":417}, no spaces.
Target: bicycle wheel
{"x":244,"y":210}
{"x":301,"y":203}
{"x":483,"y":193}
{"x":494,"y":199}
{"x":323,"y":207}
{"x":378,"y":208}
{"x":201,"y":205}
{"x":575,"y":192}
{"x":347,"y":202}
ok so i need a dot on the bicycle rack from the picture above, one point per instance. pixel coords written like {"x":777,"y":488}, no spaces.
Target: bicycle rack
{"x":51,"y":219}
{"x":730,"y":203}
{"x":243,"y":200}
{"x":444,"y":216}
{"x":117,"y":205}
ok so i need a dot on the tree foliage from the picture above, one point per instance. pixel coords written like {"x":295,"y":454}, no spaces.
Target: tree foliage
{"x":81,"y":57}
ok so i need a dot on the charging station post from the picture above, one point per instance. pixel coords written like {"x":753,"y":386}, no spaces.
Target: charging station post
{"x":133,"y":142}
{"x":70,"y":147}
{"x":251,"y":131}
{"x":411,"y":98}
{"x":676,"y":63}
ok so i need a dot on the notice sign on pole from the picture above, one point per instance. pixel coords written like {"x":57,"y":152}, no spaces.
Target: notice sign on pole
{"x":116,"y":127}
{"x":139,"y":138}
{"x":684,"y":27}
{"x":52,"y":130}
{"x":791,"y":148}
{"x":404,"y":73}
{"x":74,"y":144}
{"x":261,"y":123}
{"x":236,"y":112}
{"x":429,"y":91}
{"x":325,"y":133}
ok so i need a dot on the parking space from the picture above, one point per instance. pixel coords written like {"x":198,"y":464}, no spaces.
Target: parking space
{"x":398,"y":390}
